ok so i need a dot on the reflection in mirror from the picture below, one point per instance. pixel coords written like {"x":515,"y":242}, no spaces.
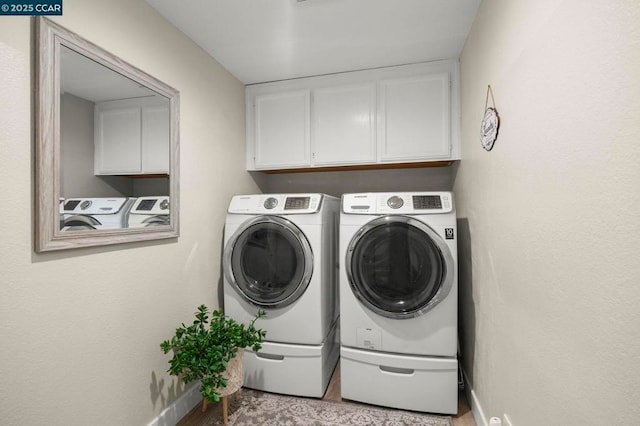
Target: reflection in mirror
{"x":107,"y":147}
{"x":113,"y":131}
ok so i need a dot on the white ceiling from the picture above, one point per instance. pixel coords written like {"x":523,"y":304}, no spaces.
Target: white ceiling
{"x":268,"y":40}
{"x":87,"y":79}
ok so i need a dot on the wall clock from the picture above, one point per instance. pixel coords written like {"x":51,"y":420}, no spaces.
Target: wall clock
{"x":490,"y":123}
{"x":489,"y":128}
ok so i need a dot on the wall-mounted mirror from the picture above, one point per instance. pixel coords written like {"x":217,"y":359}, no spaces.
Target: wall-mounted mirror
{"x":106,"y":147}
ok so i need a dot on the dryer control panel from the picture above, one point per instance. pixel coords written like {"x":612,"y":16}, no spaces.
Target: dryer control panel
{"x":151,"y":205}
{"x":398,"y":203}
{"x":275,"y":204}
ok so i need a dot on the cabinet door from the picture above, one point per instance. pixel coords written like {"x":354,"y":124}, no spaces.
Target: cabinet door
{"x":117,"y":140}
{"x":414,"y":118}
{"x":155,"y":139}
{"x":282,"y":137}
{"x":343,"y":130}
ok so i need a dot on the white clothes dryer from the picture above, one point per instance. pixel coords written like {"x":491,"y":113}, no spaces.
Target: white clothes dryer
{"x":280,"y":256}
{"x":398,"y":300}
{"x":149,"y":211}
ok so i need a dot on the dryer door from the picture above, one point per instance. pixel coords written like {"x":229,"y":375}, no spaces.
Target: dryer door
{"x":156,"y":220}
{"x":399,"y":267}
{"x":269,"y":262}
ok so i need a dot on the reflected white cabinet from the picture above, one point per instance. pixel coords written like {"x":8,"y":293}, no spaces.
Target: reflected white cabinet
{"x":132,"y":137}
{"x":401,"y":114}
{"x":155,"y":139}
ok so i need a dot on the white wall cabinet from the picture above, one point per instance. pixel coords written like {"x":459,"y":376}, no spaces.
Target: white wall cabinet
{"x":281,"y":126}
{"x":414,"y":119}
{"x":132,"y":137}
{"x":401,"y":114}
{"x":343,"y":130}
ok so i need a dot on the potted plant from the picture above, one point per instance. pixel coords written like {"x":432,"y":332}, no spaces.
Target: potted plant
{"x":203,"y":350}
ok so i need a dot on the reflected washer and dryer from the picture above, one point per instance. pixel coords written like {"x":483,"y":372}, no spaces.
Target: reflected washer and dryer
{"x":398,"y":300}
{"x":280,"y":256}
{"x":95,"y":213}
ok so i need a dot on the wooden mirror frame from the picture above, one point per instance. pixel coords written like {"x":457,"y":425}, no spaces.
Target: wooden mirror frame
{"x":48,"y":236}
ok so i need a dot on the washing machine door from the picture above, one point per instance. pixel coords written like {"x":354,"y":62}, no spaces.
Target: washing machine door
{"x":269,"y":262}
{"x":399,"y":267}
{"x":79,"y":222}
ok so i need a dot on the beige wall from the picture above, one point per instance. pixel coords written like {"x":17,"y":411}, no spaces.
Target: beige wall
{"x":80,"y":329}
{"x":549,"y":257}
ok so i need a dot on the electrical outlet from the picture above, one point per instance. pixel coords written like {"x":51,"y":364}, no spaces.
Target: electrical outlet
{"x":506,"y":420}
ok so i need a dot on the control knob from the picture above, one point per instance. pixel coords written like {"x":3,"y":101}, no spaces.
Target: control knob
{"x":395,"y":202}
{"x":270,"y":203}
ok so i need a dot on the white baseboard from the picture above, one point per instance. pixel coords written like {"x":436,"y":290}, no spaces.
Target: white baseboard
{"x":180,"y":407}
{"x":476,"y":408}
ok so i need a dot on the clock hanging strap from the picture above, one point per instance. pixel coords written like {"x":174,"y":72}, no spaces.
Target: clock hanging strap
{"x":486,"y":101}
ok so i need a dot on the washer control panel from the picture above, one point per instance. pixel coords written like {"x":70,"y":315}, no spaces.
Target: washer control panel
{"x":93,"y":206}
{"x":275,"y":204}
{"x":398,"y":203}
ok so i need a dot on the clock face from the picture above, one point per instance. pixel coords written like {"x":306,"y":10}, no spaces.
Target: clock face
{"x":489,"y":129}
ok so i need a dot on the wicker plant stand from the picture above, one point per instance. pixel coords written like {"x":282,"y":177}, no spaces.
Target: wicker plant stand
{"x":234,"y":375}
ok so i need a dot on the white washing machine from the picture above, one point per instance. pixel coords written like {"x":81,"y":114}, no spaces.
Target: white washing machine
{"x":149,"y":211}
{"x":398,"y":300}
{"x":280,"y":256}
{"x":95,"y":213}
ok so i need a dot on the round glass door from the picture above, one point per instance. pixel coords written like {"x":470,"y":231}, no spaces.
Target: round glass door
{"x":399,"y":267}
{"x":269,"y":262}
{"x":79,"y":222}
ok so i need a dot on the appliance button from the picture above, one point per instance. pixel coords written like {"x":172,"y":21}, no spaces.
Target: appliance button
{"x":164,"y":204}
{"x":85,"y":204}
